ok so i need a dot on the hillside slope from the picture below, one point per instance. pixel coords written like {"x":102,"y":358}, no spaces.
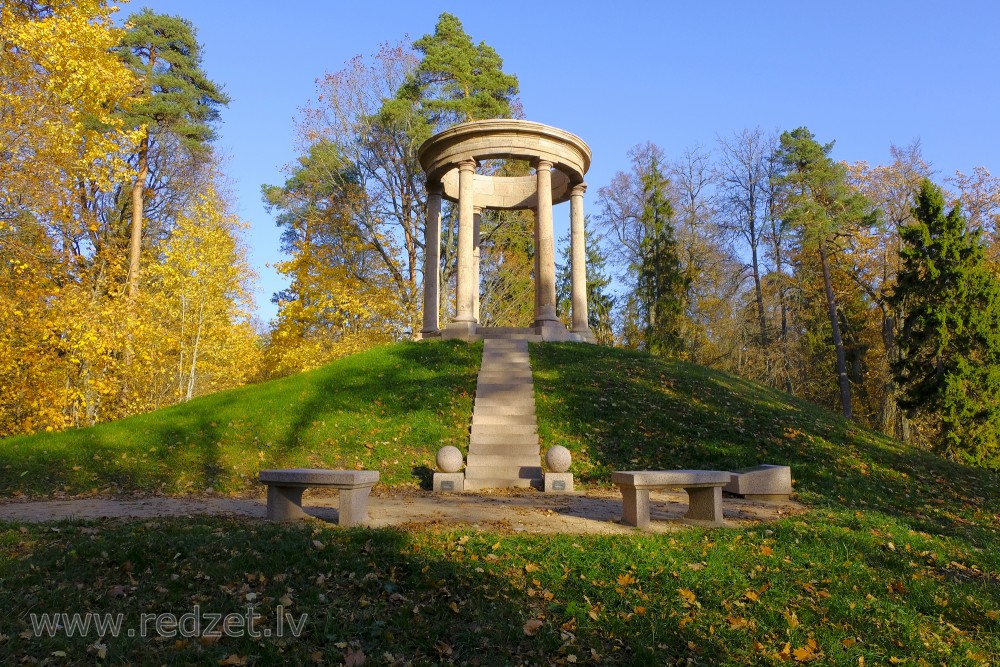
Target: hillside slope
{"x":621,"y":410}
{"x":389,"y":408}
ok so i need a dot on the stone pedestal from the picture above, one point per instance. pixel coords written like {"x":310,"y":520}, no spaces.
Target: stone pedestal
{"x":449,"y":482}
{"x":763,"y":482}
{"x":460,"y":331}
{"x":558,"y":482}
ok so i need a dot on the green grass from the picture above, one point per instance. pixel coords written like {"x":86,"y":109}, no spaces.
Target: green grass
{"x":421,"y":596}
{"x":389,"y":409}
{"x":894,"y":560}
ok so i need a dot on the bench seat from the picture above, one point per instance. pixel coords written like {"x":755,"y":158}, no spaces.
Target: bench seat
{"x":703,"y":487}
{"x":285,"y":487}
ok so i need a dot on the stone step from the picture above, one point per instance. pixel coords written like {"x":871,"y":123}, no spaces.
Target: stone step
{"x":480,"y":419}
{"x":526,"y":403}
{"x":503,"y":409}
{"x":503,"y":429}
{"x":502,"y":483}
{"x":506,"y":375}
{"x":497,"y":450}
{"x":522,"y":396}
{"x":507,"y":439}
{"x":503,"y":471}
{"x":504,"y":386}
{"x":512,"y":360}
{"x":504,"y":461}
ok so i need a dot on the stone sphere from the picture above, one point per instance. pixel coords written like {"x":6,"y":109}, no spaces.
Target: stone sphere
{"x":449,"y":459}
{"x":558,"y":459}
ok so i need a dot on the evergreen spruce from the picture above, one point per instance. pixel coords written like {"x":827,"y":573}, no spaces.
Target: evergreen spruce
{"x":661,"y":286}
{"x":949,"y":366}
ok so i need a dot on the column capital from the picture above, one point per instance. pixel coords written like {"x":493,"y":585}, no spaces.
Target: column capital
{"x":435,"y":188}
{"x":578,"y":190}
{"x":477,"y":210}
{"x":467,"y":165}
{"x":541,"y":164}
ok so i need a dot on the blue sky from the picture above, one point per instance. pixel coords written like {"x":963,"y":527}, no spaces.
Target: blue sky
{"x":680,"y":74}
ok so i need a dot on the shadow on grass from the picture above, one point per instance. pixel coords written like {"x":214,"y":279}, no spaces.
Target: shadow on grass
{"x":380,"y":592}
{"x":624,"y":410}
{"x":389,"y":409}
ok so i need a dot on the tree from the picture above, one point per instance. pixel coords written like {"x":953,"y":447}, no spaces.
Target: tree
{"x":949,"y":366}
{"x":661,"y":286}
{"x":340,"y":299}
{"x":743,"y":173}
{"x":377,"y":112}
{"x":175,"y":96}
{"x":818,"y":203}
{"x":200,"y":298}
{"x":456,"y":80}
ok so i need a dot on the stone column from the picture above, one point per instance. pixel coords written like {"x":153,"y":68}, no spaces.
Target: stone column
{"x":465,"y":321}
{"x":578,"y":263}
{"x":432,"y":261}
{"x":477,"y":220}
{"x":545,"y":281}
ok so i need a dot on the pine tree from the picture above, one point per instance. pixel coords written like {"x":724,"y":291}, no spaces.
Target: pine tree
{"x":456,"y":80}
{"x":949,"y":342}
{"x":818,"y":203}
{"x":661,"y":285}
{"x":176,"y":96}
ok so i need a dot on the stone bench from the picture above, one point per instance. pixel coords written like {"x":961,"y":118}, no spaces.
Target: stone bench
{"x":703,"y":487}
{"x":285,"y":487}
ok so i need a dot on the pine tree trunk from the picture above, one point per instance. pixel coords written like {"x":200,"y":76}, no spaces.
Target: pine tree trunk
{"x":135,"y":247}
{"x":838,"y":342}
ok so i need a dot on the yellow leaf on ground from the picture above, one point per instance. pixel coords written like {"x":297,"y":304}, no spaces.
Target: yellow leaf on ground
{"x":626,"y":579}
{"x":687,"y":595}
{"x":849,"y":642}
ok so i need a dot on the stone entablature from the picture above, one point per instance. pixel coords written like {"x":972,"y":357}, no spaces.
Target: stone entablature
{"x":561,"y":161}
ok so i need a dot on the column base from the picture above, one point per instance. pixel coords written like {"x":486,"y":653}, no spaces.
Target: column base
{"x":460,"y":331}
{"x":424,"y":335}
{"x":583,"y":335}
{"x":552,"y":331}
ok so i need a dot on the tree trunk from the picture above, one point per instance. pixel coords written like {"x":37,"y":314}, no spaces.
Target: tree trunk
{"x":760,"y":295}
{"x":194,"y":352}
{"x":135,"y":246}
{"x":838,"y":342}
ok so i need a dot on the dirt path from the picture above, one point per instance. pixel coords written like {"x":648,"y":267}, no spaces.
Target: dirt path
{"x":593,"y":512}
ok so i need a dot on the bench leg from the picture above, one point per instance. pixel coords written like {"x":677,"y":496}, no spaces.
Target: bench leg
{"x":353,"y":510}
{"x":284,"y":503}
{"x":705,"y":505}
{"x":635,"y":507}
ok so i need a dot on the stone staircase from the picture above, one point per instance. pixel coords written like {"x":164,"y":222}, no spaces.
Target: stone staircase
{"x":503,"y":446}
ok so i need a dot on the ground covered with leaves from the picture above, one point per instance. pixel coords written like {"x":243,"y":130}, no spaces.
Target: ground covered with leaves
{"x":831,"y":589}
{"x":894,"y":561}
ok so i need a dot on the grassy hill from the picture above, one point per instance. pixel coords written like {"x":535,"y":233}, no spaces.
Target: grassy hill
{"x":390,"y":408}
{"x":895,"y":560}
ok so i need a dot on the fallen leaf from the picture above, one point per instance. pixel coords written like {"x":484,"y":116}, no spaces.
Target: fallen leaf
{"x":688,"y":596}
{"x":531,"y":567}
{"x":234,"y":659}
{"x":354,"y":658}
{"x":766,"y":551}
{"x":532,"y":626}
{"x":849,"y":642}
